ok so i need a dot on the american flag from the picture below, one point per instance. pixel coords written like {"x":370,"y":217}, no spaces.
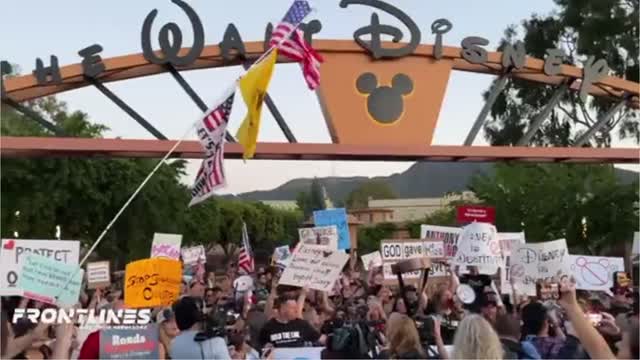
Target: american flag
{"x":211,"y":131}
{"x":289,"y":40}
{"x":245,"y":258}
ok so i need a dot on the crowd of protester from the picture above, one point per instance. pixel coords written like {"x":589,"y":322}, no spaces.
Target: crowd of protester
{"x":364,"y":316}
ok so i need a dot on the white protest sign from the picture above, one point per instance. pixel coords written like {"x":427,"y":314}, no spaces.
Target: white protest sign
{"x":281,"y":256}
{"x":326,"y":236}
{"x":540,"y":261}
{"x":479,"y":246}
{"x":166,"y":245}
{"x":507,"y":242}
{"x":315,"y":267}
{"x":13,"y":253}
{"x":98,"y":274}
{"x":448,"y":235}
{"x":594,"y":272}
{"x":374,"y":258}
{"x":395,"y":250}
{"x":433,"y":248}
{"x":191,"y":255}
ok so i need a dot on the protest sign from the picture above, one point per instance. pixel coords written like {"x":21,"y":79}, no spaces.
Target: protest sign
{"x":337,"y":217}
{"x":130,"y":343}
{"x":152,"y":282}
{"x":281,"y":256}
{"x":303,"y":353}
{"x":374,"y":258}
{"x":166,"y":245}
{"x":466,"y":214}
{"x":594,"y":272}
{"x":98,"y":274}
{"x":448,"y":235}
{"x":326,"y":236}
{"x":393,"y":251}
{"x":315,"y":267}
{"x":507,"y":242}
{"x":191,"y":255}
{"x":540,"y":261}
{"x":47,"y":280}
{"x":479,"y":246}
{"x":13,"y":253}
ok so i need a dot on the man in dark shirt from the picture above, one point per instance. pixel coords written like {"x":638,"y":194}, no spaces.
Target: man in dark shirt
{"x":287,"y":329}
{"x":478,"y":282}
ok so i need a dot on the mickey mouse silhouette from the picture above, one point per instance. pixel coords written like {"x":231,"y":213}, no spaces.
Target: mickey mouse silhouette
{"x":384,"y":103}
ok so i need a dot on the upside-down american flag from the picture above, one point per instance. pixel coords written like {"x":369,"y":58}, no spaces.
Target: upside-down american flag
{"x":211,"y":131}
{"x":289,"y":40}
{"x":245,"y":258}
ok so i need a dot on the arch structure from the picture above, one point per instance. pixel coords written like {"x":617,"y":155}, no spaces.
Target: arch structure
{"x":374,"y":109}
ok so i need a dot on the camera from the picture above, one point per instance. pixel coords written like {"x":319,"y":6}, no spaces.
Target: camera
{"x":425,"y":326}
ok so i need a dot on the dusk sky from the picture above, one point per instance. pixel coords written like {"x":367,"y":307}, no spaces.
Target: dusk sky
{"x":33,"y":29}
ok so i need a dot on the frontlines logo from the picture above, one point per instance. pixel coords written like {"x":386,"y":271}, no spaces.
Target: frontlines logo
{"x":85,"y":317}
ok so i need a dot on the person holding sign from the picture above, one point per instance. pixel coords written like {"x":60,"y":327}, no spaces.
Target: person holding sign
{"x":287,"y":329}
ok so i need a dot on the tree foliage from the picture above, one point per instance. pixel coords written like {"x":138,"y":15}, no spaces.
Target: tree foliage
{"x":312,"y":200}
{"x":605,"y":29}
{"x":583,"y":204}
{"x":82,"y":195}
{"x":371,"y":189}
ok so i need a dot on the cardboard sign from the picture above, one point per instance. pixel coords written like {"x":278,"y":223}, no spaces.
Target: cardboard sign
{"x":326,"y":236}
{"x":479,"y":246}
{"x":191,"y":255}
{"x":466,"y":214}
{"x":98,"y":274}
{"x":13,"y":253}
{"x":152,"y":282}
{"x":315,"y":267}
{"x":130,"y":343}
{"x":337,"y":217}
{"x":540,"y":261}
{"x":448,"y":235}
{"x":594,"y":272}
{"x":47,"y":280}
{"x":166,"y":245}
{"x":395,"y":250}
{"x":374,"y":258}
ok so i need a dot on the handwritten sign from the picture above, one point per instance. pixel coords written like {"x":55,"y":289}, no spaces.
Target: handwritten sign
{"x":594,"y":272}
{"x":13,"y":253}
{"x":374,"y":258}
{"x":539,"y":261}
{"x":448,"y":235}
{"x":337,"y":217}
{"x":130,"y":343}
{"x":326,"y":236}
{"x":152,"y":282}
{"x":479,"y":246}
{"x":47,"y":280}
{"x":315,"y":267}
{"x":166,"y":245}
{"x":98,"y":274}
{"x":191,"y":255}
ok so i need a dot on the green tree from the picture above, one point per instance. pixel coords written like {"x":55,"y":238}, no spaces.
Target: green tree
{"x":583,"y":204}
{"x":313,"y":200}
{"x":371,"y":189}
{"x":582,"y":28}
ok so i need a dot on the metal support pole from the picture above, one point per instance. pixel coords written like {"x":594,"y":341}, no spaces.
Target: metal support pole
{"x":493,"y":95}
{"x":598,"y":125}
{"x":542,"y":116}
{"x":193,"y":95}
{"x":276,"y":114}
{"x":34,"y":116}
{"x":126,"y":108}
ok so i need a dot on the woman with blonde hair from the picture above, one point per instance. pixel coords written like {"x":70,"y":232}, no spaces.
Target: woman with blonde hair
{"x":476,"y":339}
{"x":403,"y":338}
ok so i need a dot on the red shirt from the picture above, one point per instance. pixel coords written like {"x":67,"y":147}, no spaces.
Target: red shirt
{"x":91,"y":347}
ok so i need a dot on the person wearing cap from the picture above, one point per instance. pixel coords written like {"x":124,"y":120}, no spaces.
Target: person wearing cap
{"x":168,"y":330}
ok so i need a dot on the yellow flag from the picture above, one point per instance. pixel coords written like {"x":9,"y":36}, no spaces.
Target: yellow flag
{"x":254,"y":87}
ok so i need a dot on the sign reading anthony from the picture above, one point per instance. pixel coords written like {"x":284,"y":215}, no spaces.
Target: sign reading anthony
{"x":152,"y":282}
{"x":448,"y":235}
{"x":13,"y":253}
{"x":135,"y":343}
{"x":315,"y":267}
{"x":479,"y":246}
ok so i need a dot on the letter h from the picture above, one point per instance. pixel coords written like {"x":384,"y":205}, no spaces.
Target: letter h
{"x":42,"y":73}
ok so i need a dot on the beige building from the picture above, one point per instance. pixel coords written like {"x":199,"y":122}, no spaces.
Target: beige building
{"x":281,"y":204}
{"x":416,"y":208}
